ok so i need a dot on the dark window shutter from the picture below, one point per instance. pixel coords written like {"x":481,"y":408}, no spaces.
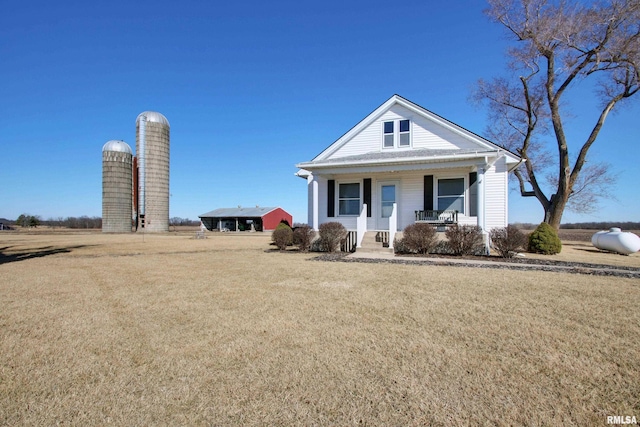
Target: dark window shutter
{"x":473,"y":194}
{"x":428,"y":192}
{"x":367,"y":195}
{"x":331,"y":198}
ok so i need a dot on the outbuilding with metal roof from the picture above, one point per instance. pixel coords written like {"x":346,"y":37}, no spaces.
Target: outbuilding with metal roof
{"x":245,"y":219}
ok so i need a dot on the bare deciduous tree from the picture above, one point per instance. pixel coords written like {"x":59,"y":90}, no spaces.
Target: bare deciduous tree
{"x":558,"y":43}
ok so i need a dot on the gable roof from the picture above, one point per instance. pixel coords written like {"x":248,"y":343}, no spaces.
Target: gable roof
{"x":484,"y":145}
{"x":239,"y":212}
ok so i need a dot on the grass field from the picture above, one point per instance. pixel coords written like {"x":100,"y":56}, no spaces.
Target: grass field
{"x":113,"y":330}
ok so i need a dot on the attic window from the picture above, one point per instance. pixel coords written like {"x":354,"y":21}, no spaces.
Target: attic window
{"x":388,"y":135}
{"x":396,"y":133}
{"x":404,"y":140}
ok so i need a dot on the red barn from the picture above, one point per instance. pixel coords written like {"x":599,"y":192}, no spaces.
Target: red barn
{"x":241,"y":219}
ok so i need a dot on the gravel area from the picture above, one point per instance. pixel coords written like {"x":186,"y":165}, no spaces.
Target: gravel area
{"x":493,"y":262}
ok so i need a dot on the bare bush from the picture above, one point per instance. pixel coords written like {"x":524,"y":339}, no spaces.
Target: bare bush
{"x":418,"y":238}
{"x":508,"y":240}
{"x":303,"y":236}
{"x":331,"y":236}
{"x":464,"y":239}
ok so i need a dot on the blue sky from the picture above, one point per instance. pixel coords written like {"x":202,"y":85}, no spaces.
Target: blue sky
{"x":250,"y":88}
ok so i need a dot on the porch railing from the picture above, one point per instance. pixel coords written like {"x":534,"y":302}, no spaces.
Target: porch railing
{"x":382,"y":237}
{"x":349,"y":243}
{"x":437,"y":217}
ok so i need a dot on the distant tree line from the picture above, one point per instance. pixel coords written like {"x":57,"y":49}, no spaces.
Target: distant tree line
{"x":95,"y":222}
{"x":77,"y":222}
{"x":627,"y":225}
{"x":82,"y":222}
{"x":28,"y":220}
{"x":603,"y":225}
{"x":176,"y":220}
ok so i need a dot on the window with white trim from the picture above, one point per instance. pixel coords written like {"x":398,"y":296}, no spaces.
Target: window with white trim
{"x":404,"y":134}
{"x":396,"y":133}
{"x":388,"y":137}
{"x":349,"y":199}
{"x":387,"y":199}
{"x":451,"y":194}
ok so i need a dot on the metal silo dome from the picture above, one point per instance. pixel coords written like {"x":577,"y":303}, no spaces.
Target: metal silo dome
{"x":118,"y":146}
{"x":155,"y":117}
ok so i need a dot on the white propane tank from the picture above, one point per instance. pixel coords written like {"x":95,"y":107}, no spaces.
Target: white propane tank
{"x":615,"y":240}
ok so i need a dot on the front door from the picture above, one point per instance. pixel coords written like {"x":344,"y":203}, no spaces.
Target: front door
{"x":387,"y":196}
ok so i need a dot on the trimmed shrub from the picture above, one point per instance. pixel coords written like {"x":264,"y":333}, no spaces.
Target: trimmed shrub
{"x":303,"y":236}
{"x":282,"y":236}
{"x":544,"y":240}
{"x":465,"y":239}
{"x":285,"y":222}
{"x":332,"y":234}
{"x":418,"y":238}
{"x":508,"y":240}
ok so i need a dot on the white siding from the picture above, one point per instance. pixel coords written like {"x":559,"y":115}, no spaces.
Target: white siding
{"x":424,"y":134}
{"x":496,"y":193}
{"x":428,"y":134}
{"x":412,"y":198}
{"x":366,"y":141}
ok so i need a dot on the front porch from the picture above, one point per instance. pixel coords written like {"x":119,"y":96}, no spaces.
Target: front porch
{"x":376,"y":240}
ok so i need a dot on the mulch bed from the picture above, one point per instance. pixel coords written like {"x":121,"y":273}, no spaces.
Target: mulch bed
{"x":498,"y":263}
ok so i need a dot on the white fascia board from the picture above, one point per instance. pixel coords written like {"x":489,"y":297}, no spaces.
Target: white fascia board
{"x":514,"y":165}
{"x":388,"y":166}
{"x":368,"y":169}
{"x":310,"y":166}
{"x":302,"y":173}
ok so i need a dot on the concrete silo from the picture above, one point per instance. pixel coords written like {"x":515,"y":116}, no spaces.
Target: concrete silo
{"x":117,"y":187}
{"x":152,"y":149}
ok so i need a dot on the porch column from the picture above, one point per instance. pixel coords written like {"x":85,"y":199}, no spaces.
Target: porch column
{"x":393,"y":225}
{"x":482,"y":218}
{"x":312,"y":208}
{"x":480,"y":184}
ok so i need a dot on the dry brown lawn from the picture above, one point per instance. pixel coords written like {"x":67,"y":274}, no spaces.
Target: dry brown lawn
{"x":585,"y":252}
{"x":110,"y":330}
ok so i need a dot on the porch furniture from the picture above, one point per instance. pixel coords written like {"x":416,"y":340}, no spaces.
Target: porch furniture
{"x":437,"y":217}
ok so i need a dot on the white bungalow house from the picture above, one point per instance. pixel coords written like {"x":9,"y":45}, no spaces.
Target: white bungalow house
{"x":403,"y":164}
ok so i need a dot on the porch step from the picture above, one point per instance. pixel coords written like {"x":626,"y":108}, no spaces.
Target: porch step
{"x":370,"y":245}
